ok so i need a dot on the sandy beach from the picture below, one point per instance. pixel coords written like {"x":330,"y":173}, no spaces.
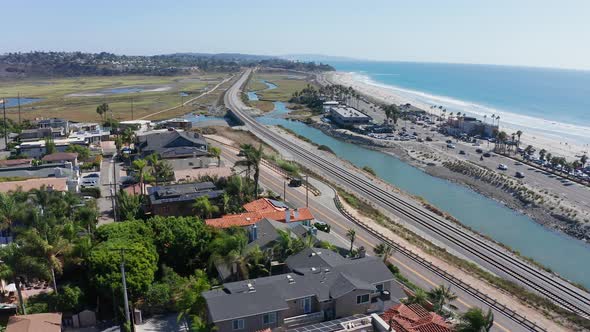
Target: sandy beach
{"x":558,"y":147}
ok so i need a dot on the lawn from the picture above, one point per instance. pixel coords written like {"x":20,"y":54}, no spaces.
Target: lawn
{"x":287,"y":85}
{"x":58,"y":101}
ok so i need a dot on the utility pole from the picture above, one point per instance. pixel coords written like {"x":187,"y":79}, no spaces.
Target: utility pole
{"x":5,"y":124}
{"x":306,"y":190}
{"x":131,"y":108}
{"x":18,"y":98}
{"x":114,"y":188}
{"x":124,"y":282}
{"x":285,"y":191}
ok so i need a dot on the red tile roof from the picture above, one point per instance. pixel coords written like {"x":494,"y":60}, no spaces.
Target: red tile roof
{"x":58,"y":184}
{"x":60,"y":156}
{"x":15,"y":162}
{"x":260,"y":205}
{"x":414,"y":318}
{"x":258,"y":210}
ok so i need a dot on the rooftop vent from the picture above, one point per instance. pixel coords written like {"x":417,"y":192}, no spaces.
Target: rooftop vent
{"x":290,"y":279}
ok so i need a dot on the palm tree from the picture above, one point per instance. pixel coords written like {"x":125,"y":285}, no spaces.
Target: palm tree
{"x":18,"y":265}
{"x":518,"y":134}
{"x":102,"y":110}
{"x":139,"y":165}
{"x":204,"y":207}
{"x":154,"y":161}
{"x":384,"y":251}
{"x":474,"y":320}
{"x":419,"y":297}
{"x":584,"y":160}
{"x":52,"y":246}
{"x":351,"y":234}
{"x":10,"y":209}
{"x":440,"y":297}
{"x":542,"y":154}
{"x":215,"y":152}
{"x":287,"y":245}
{"x":255,"y":156}
{"x":128,"y":136}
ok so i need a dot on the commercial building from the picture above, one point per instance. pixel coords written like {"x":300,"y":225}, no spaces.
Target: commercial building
{"x":458,"y":126}
{"x":321,"y":286}
{"x":348,"y":116}
{"x":178,"y":199}
{"x":172,"y":144}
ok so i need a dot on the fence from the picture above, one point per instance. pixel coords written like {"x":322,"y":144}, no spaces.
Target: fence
{"x":518,"y":318}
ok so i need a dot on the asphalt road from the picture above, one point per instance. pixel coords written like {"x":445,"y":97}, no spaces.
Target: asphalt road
{"x":324,"y":210}
{"x":451,"y":236}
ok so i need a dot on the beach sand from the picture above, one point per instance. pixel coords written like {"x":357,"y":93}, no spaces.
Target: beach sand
{"x":569,"y":150}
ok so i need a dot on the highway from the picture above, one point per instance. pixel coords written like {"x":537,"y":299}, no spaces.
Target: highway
{"x":483,"y":252}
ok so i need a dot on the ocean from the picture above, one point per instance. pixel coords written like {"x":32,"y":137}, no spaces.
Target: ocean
{"x":552,"y":102}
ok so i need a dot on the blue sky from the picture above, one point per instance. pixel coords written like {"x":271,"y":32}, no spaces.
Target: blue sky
{"x":514,"y":32}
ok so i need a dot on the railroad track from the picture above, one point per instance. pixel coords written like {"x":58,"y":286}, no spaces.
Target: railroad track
{"x":544,"y":283}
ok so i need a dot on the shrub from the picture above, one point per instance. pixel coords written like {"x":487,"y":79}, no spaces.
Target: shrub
{"x":90,"y":191}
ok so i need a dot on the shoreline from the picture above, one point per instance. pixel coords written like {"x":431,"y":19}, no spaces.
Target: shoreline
{"x":538,"y":214}
{"x":534,"y":137}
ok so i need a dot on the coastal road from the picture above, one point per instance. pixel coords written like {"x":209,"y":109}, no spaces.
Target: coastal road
{"x":323,"y":209}
{"x":453,"y":237}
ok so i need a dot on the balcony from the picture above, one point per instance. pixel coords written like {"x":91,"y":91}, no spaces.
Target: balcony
{"x":306,"y":319}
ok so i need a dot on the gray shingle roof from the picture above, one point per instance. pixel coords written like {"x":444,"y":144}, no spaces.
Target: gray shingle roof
{"x":170,"y":144}
{"x":325,"y":275}
{"x":182,"y":192}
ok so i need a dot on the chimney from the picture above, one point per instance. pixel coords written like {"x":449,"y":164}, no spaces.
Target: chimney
{"x":253,"y":233}
{"x":287,"y":215}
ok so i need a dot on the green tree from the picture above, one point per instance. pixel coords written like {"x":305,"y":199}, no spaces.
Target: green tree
{"x":10,"y":209}
{"x":474,"y":320}
{"x":253,"y":159}
{"x":287,"y":244}
{"x":204,"y":208}
{"x":215,"y":152}
{"x":584,"y":160}
{"x":518,"y":134}
{"x":542,"y":154}
{"x":82,"y":151}
{"x":351,"y":235}
{"x":182,"y":242}
{"x":441,"y":297}
{"x":140,"y":265}
{"x":18,"y":266}
{"x":102,"y":110}
{"x":129,"y":207}
{"x":49,"y":146}
{"x":191,"y":303}
{"x":384,"y":251}
{"x":139,"y":165}
{"x":419,"y":297}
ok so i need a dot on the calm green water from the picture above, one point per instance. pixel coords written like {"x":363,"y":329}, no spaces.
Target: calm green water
{"x":564,"y":255}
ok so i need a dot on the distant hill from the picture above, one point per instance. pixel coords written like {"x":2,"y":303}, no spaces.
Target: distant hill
{"x":316,"y":58}
{"x":31,"y":64}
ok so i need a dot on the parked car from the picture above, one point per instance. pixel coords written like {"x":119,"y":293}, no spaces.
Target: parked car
{"x":295,"y":182}
{"x":502,"y":167}
{"x":479,"y":150}
{"x":428,"y":139}
{"x":487,"y":154}
{"x":92,"y":175}
{"x":461,"y":152}
{"x":449,"y":141}
{"x":450,"y":146}
{"x":519,"y":175}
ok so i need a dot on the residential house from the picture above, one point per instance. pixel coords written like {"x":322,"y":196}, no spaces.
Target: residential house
{"x":260,"y":209}
{"x":36,"y":149}
{"x":177,"y":123}
{"x":16,"y":162}
{"x":46,"y":322}
{"x":172,"y":144}
{"x":139,"y":126}
{"x":178,"y":199}
{"x":322,"y":286}
{"x":54,"y":123}
{"x":414,"y":318}
{"x":61,"y":157}
{"x":28,"y":135}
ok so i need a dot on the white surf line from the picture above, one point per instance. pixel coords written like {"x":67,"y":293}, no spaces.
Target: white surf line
{"x":190,"y":100}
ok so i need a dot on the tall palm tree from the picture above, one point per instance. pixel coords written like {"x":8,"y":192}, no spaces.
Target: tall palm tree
{"x":287,"y":245}
{"x":154,"y":161}
{"x":10,"y":209}
{"x":139,"y":165}
{"x":518,"y":134}
{"x":204,"y":207}
{"x":440,"y":297}
{"x":52,"y":246}
{"x":383,"y":250}
{"x":18,"y":265}
{"x":255,"y":156}
{"x":584,"y":160}
{"x":474,"y":320}
{"x":215,"y":152}
{"x":351,"y":235}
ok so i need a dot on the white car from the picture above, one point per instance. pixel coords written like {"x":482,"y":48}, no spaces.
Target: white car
{"x":502,"y":167}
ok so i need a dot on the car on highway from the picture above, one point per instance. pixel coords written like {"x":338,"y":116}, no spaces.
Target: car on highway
{"x":502,"y":167}
{"x":479,"y":150}
{"x":461,"y":152}
{"x":295,"y":182}
{"x":519,"y":175}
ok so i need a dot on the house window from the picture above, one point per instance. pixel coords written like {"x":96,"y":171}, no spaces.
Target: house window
{"x":269,"y":318}
{"x":361,"y":299}
{"x":238,"y":324}
{"x":306,"y":305}
{"x":379,"y":288}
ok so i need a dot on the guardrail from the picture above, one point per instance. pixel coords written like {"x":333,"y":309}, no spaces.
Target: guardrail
{"x":516,"y":317}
